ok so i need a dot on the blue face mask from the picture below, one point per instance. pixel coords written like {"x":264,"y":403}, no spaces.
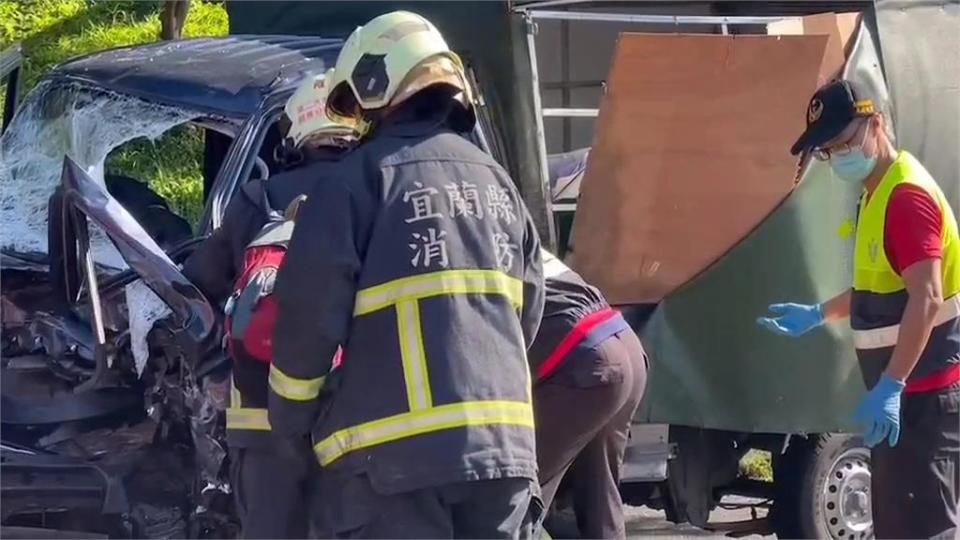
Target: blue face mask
{"x":853,"y":167}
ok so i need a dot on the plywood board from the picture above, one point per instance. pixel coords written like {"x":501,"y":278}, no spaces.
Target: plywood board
{"x":690,"y":154}
{"x":839,"y":29}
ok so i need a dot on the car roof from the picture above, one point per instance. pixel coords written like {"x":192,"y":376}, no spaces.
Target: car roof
{"x":228,"y":75}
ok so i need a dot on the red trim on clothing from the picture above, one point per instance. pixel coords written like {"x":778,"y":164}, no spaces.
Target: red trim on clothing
{"x":576,"y":335}
{"x":337,"y":358}
{"x":935,"y":381}
{"x":912,"y":228}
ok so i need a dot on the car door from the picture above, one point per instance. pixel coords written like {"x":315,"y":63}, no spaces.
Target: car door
{"x":145,"y":258}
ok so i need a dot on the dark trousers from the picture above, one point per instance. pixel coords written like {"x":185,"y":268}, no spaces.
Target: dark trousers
{"x":507,"y":508}
{"x":273,"y":487}
{"x":915,"y":484}
{"x":583,"y":413}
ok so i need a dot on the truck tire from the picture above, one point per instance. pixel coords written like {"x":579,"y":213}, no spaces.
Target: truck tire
{"x":823,"y":489}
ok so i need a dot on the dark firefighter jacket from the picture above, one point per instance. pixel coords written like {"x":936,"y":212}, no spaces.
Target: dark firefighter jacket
{"x":215,"y":266}
{"x":575,"y":315}
{"x":424,"y":262}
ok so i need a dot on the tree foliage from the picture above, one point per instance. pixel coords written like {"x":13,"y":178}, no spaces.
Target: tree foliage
{"x":53,"y":31}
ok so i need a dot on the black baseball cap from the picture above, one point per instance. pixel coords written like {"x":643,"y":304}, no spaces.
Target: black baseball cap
{"x":831,"y":109}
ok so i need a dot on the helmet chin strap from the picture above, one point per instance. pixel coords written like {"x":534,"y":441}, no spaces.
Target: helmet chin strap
{"x":365,"y":124}
{"x":464,"y":114}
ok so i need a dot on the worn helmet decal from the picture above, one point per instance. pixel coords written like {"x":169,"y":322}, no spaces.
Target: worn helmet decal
{"x":370,"y":76}
{"x":306,"y":111}
{"x":404,"y":29}
{"x":381,"y":64}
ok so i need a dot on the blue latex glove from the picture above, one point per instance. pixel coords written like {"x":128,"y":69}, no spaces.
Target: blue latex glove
{"x":793,"y":320}
{"x":879,"y":412}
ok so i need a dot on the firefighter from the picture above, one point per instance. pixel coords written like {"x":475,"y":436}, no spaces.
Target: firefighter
{"x":591,"y":372}
{"x":904,"y":310}
{"x":271,"y":479}
{"x":424,"y":263}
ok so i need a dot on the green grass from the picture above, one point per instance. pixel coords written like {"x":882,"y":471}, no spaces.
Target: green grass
{"x":53,"y":31}
{"x":757,"y":465}
{"x":172,"y":165}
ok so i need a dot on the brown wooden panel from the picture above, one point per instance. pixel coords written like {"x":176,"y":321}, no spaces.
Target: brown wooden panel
{"x":691,"y":152}
{"x":839,"y":29}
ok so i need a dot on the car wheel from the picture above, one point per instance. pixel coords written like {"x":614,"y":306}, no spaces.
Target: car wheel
{"x":823,"y":489}
{"x":840,"y":489}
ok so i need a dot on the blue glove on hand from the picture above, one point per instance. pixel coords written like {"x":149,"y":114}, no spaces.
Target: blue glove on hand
{"x":879,"y":412}
{"x":794,"y":319}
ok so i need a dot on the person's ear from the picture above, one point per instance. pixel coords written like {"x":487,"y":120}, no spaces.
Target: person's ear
{"x":874,"y":125}
{"x":878,"y":133}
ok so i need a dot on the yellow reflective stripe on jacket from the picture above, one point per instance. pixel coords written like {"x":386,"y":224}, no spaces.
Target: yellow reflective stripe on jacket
{"x":293,"y":388}
{"x":255,"y":419}
{"x":412,"y":355}
{"x":236,"y":400}
{"x":409,"y":424}
{"x":239,"y":417}
{"x":423,"y":417}
{"x":437,"y":283}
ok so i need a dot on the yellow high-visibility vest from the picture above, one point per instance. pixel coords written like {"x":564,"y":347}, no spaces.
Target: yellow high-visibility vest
{"x":880,"y":294}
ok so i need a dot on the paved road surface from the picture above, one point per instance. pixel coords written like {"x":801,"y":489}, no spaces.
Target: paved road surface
{"x":643,"y":522}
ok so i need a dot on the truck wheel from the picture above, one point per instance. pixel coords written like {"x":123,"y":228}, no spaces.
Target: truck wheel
{"x":824,"y":482}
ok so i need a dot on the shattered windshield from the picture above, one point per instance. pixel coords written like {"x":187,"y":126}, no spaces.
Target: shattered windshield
{"x":66,"y":119}
{"x":62,"y":119}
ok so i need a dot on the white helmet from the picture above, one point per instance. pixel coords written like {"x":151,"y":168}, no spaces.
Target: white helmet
{"x":306,"y":110}
{"x":387,"y":60}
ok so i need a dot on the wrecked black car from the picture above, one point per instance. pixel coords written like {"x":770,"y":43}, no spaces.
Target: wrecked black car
{"x":107,"y":428}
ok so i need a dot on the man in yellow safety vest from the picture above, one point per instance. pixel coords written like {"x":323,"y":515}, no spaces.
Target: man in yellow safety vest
{"x":904,"y":310}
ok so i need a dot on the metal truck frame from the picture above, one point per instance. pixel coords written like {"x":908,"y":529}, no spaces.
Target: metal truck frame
{"x":687,"y":460}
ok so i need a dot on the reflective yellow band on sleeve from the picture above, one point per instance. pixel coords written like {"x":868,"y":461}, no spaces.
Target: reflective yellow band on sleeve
{"x":252,"y":419}
{"x":235,"y":399}
{"x":414,"y":423}
{"x":438,"y":283}
{"x":292,"y":388}
{"x":413,"y":357}
{"x":239,"y":417}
